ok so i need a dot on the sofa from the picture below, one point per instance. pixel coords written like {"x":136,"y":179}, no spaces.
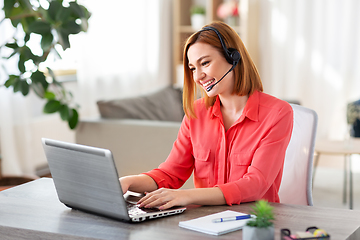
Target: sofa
{"x":139,"y":131}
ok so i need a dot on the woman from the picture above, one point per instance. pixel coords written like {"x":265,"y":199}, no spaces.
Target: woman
{"x":234,"y":138}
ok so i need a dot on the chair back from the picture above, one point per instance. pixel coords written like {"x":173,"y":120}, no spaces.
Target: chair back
{"x":296,"y":183}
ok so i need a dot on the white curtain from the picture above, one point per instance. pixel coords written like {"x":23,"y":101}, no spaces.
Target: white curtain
{"x":126,"y":52}
{"x":310,"y":51}
{"x":9,"y":117}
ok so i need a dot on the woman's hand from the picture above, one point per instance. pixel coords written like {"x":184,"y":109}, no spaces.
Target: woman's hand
{"x":125,"y":184}
{"x":137,"y":183}
{"x":165,"y":198}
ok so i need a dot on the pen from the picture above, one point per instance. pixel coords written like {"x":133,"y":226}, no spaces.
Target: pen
{"x":227,"y":219}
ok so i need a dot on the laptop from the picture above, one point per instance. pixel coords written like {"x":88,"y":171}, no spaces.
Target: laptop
{"x":86,"y":179}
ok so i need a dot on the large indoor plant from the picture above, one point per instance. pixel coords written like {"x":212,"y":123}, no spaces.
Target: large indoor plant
{"x":54,"y":21}
{"x":261,"y":227}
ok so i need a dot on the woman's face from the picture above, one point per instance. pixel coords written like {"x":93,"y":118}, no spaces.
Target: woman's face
{"x":208,"y":66}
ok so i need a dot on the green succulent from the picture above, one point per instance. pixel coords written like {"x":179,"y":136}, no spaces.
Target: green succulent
{"x":197,"y":10}
{"x":264,"y":215}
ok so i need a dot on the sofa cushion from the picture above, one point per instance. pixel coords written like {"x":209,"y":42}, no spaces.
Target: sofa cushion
{"x":164,"y":105}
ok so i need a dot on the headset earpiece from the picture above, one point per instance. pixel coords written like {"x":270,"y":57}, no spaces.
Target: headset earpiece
{"x":234,"y":55}
{"x":231,"y":54}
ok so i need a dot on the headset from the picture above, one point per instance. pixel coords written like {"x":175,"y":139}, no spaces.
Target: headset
{"x":232,"y":55}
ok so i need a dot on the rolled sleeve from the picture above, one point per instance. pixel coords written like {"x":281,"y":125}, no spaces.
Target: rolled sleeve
{"x":179,"y":165}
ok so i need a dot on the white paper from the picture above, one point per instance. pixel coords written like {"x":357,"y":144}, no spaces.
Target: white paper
{"x":205,"y":224}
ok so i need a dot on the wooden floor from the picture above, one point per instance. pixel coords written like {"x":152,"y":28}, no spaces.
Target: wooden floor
{"x":7,"y":182}
{"x":2,"y":188}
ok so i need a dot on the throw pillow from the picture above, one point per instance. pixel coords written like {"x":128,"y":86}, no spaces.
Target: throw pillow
{"x":164,"y":105}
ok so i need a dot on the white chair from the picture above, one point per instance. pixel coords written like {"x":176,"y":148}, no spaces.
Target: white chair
{"x":296,"y":183}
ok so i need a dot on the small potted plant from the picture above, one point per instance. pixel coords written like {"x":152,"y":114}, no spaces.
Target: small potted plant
{"x":261,"y":227}
{"x":197,"y":16}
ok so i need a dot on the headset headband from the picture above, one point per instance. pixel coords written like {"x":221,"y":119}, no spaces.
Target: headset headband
{"x":231,"y":54}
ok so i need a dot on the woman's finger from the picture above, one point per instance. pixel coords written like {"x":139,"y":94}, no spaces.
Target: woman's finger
{"x":148,"y":195}
{"x":156,"y":198}
{"x":154,"y":201}
{"x":167,"y":205}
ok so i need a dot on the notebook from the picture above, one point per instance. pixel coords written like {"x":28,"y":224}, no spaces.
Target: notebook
{"x":86,"y":179}
{"x":206,"y":224}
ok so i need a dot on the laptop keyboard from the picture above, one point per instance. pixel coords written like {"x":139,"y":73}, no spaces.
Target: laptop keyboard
{"x":134,"y":210}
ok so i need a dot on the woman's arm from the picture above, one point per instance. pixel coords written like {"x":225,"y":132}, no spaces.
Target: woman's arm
{"x":138,"y":183}
{"x":165,"y":198}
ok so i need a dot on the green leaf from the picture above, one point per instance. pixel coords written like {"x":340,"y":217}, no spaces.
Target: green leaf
{"x":15,"y":11}
{"x":26,"y":54}
{"x":63,"y":39}
{"x":27,"y":37}
{"x":49,"y":95}
{"x":21,"y":63}
{"x":11,"y":81}
{"x":54,"y":8}
{"x":38,"y":89}
{"x":73,"y":119}
{"x":39,"y":77}
{"x":51,"y":72}
{"x":40,"y":27}
{"x":63,"y":14}
{"x":84,"y":25}
{"x":44,"y":14}
{"x":8,"y":5}
{"x":77,"y":10}
{"x":26,"y":22}
{"x":12,"y":45}
{"x":24,"y":87}
{"x":8,"y":83}
{"x":58,"y":13}
{"x":25,"y":4}
{"x":12,"y":54}
{"x":52,"y":106}
{"x":64,"y":112}
{"x":54,"y":51}
{"x":17,"y":86}
{"x":46,"y":41}
{"x":71,"y":27}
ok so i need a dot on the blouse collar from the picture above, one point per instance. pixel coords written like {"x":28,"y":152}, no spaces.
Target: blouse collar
{"x":250,"y":111}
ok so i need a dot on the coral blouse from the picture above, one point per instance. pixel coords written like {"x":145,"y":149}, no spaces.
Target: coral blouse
{"x":245,"y":162}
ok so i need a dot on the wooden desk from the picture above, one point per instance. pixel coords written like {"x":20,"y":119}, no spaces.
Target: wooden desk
{"x":345,"y":148}
{"x":32,"y":211}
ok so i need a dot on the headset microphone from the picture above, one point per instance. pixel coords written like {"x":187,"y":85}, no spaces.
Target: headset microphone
{"x":208,"y":89}
{"x":232,"y":55}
